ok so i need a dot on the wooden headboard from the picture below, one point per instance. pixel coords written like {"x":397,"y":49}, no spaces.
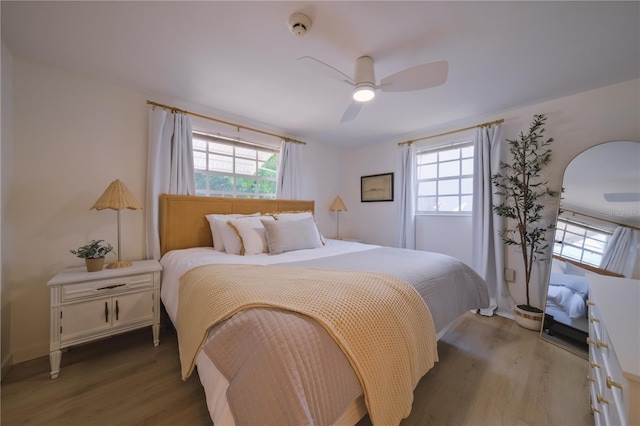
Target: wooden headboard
{"x":589,"y":268}
{"x":183,"y":223}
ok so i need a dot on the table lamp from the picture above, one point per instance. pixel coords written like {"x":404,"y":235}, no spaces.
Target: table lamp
{"x":338,"y":206}
{"x":117,"y":197}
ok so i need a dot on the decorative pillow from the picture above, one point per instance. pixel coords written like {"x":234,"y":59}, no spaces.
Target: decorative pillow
{"x":289,"y":235}
{"x":297,"y":216}
{"x":253,"y":237}
{"x":219,"y":221}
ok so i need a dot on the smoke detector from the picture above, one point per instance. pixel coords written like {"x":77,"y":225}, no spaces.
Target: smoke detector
{"x":299,"y":24}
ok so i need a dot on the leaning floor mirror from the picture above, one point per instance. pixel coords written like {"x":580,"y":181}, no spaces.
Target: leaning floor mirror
{"x":596,"y":232}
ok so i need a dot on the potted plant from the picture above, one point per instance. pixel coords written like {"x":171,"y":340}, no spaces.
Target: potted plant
{"x":522,"y":190}
{"x":93,"y":254}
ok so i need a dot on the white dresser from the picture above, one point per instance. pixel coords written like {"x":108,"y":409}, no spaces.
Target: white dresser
{"x":614,"y":350}
{"x":87,"y":306}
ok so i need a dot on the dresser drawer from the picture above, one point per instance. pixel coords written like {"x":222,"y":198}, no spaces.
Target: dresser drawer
{"x":88,"y":289}
{"x":597,"y":370}
{"x":600,"y":413}
{"x":595,"y":319}
{"x":608,"y":383}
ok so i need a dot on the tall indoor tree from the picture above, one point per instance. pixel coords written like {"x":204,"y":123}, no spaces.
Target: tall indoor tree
{"x":522,"y":190}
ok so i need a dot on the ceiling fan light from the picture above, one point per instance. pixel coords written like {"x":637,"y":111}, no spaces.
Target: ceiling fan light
{"x":364,"y":93}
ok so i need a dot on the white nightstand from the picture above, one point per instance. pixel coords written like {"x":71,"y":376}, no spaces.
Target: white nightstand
{"x":87,"y":306}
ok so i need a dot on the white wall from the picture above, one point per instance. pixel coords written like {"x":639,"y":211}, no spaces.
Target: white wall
{"x":6,"y":161}
{"x":72,"y":136}
{"x":372,"y":222}
{"x":576,"y":123}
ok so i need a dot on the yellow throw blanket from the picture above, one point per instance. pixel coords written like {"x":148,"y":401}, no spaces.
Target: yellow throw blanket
{"x":379,"y":321}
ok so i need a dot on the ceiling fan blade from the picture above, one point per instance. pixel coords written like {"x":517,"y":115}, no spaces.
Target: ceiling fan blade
{"x":351,"y":112}
{"x":320,"y":68}
{"x":622,"y":197}
{"x":417,"y":78}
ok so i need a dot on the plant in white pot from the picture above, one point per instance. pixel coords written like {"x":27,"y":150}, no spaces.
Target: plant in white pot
{"x":522,"y":189}
{"x":93,"y":253}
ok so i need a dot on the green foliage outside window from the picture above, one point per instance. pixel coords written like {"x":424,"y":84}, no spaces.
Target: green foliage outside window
{"x":262,"y":184}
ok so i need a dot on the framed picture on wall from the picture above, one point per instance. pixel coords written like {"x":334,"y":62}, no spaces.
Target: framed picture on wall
{"x":376,"y":187}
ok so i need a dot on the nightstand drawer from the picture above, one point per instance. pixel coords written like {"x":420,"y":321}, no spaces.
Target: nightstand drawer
{"x":71,"y":292}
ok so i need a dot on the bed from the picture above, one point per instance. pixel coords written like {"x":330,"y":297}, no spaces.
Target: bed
{"x":310,"y":353}
{"x":566,"y":304}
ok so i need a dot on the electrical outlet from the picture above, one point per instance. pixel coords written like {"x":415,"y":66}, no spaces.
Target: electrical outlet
{"x":509,"y":274}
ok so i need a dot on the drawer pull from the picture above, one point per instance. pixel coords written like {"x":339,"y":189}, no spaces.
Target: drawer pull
{"x":594,"y":365}
{"x":590,"y":379}
{"x":601,"y":399}
{"x":612,"y":383}
{"x":595,"y":410}
{"x":590,"y":303}
{"x":594,"y":319}
{"x":598,"y":343}
{"x":110,"y":287}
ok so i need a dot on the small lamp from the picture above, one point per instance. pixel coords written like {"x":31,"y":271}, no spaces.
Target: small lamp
{"x":338,"y":206}
{"x":117,"y":197}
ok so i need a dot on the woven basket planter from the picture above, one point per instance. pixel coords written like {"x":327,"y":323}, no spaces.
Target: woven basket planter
{"x":528,"y":319}
{"x":95,"y":265}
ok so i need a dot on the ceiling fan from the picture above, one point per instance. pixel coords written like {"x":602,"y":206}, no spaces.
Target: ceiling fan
{"x":364,"y":83}
{"x":622,"y":197}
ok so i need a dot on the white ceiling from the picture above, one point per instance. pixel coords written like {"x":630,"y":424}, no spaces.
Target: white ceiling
{"x":239,"y":58}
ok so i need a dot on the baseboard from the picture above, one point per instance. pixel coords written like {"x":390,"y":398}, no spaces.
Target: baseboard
{"x":32,"y":352}
{"x":6,"y":366}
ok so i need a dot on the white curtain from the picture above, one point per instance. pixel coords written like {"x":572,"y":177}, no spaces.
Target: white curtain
{"x":405,"y":171}
{"x":169,"y":167}
{"x":289,"y":183}
{"x":621,"y":252}
{"x":488,"y":252}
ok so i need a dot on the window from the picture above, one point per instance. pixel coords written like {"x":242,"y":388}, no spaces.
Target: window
{"x":444,"y":179}
{"x":580,"y":242}
{"x":228,"y":168}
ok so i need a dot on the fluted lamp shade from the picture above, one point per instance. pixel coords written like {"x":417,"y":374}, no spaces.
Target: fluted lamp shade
{"x":117,"y":197}
{"x":338,"y":206}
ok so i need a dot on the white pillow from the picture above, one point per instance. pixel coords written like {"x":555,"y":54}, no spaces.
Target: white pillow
{"x":253,"y":237}
{"x":557,"y":266}
{"x":572,"y":269}
{"x":292,"y":215}
{"x":289,"y":235}
{"x":218,"y":221}
{"x":297,"y":216}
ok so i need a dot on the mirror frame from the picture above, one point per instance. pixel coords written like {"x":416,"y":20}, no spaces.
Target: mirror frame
{"x":550,"y":257}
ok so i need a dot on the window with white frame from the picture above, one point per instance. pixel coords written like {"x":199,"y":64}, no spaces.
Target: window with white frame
{"x":228,"y":168}
{"x":444,"y":179}
{"x":580,"y":242}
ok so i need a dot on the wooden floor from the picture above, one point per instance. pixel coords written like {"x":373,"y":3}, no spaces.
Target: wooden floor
{"x":491,"y":372}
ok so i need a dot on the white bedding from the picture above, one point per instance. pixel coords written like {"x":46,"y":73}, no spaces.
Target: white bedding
{"x":567,"y":292}
{"x":446,"y":300}
{"x":177,"y":262}
{"x":567,"y":300}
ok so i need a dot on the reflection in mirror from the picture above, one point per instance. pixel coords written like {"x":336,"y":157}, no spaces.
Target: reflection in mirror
{"x":596,"y":232}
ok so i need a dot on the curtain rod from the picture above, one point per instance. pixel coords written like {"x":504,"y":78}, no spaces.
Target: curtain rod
{"x":598,"y":218}
{"x":174,"y":109}
{"x":452,"y":132}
